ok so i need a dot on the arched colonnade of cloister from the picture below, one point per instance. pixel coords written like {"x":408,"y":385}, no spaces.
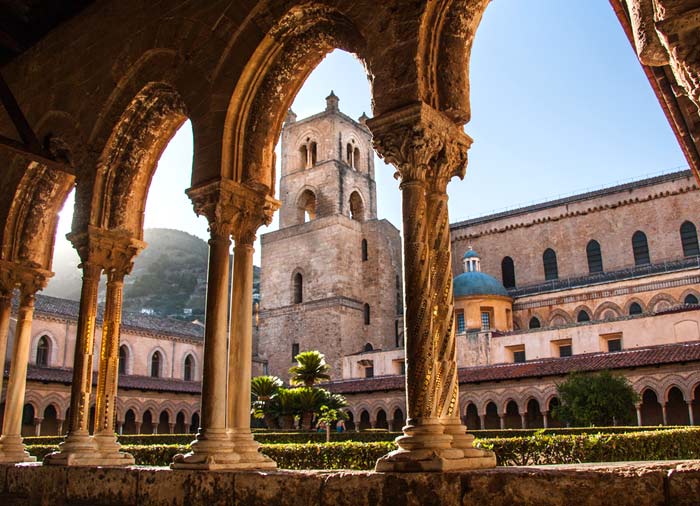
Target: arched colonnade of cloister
{"x":233,"y":70}
{"x":47,"y":415}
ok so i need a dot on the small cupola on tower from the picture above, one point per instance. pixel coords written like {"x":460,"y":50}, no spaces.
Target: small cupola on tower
{"x":291,"y":117}
{"x":332,"y":102}
{"x":471,"y":261}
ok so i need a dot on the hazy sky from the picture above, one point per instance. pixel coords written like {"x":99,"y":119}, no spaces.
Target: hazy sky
{"x":559,"y":101}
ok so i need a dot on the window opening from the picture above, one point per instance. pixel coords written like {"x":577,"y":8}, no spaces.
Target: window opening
{"x":549,"y":259}
{"x":595,"y":258}
{"x":42,"y":352}
{"x":689,"y":240}
{"x":640,"y":248}
{"x":508,"y":272}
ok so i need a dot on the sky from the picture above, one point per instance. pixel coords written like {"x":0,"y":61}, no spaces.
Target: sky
{"x":560,"y":105}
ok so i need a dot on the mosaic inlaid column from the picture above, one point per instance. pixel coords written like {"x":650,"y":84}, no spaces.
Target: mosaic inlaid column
{"x":213,"y":448}
{"x":253,"y":209}
{"x":123,"y":250}
{"x":78,"y":443}
{"x":427,"y":149}
{"x":11,"y":447}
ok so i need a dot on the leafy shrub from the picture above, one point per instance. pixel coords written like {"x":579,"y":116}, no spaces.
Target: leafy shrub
{"x":571,"y":449}
{"x":347,"y":455}
{"x":538,"y":448}
{"x":369,"y":435}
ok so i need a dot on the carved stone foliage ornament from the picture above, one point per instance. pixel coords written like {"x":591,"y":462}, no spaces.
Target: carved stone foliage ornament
{"x":422,"y":143}
{"x":112,"y":250}
{"x":232,"y":208}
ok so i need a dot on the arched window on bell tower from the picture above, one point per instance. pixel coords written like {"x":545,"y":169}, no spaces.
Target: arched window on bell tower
{"x":306,"y":206}
{"x":298,"y":288}
{"x":357,"y":207}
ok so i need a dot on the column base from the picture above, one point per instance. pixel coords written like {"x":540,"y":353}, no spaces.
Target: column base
{"x":434,"y":445}
{"x":81,"y":449}
{"x":213,"y":450}
{"x":249,"y":450}
{"x":12,"y":451}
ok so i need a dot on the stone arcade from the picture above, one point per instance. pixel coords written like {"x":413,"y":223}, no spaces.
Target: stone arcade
{"x":95,"y":92}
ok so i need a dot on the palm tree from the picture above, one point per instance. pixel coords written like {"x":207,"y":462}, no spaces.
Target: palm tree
{"x":283,"y":406}
{"x":311,"y":368}
{"x":264,"y":390}
{"x":309,"y":402}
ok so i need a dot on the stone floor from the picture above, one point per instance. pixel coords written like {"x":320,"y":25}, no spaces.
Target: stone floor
{"x":623,"y":484}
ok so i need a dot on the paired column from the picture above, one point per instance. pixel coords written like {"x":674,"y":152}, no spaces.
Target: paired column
{"x":225,"y":440}
{"x":428,"y":149}
{"x":11,"y":448}
{"x":112,"y":252}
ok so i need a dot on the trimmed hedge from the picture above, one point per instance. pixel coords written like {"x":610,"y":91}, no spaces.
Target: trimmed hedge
{"x":537,"y":449}
{"x":279,"y":437}
{"x":541,"y":449}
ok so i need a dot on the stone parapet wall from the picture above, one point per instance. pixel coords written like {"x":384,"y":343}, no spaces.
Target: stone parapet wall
{"x":624,"y":484}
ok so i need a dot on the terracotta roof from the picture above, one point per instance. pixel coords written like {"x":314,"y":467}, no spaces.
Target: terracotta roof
{"x":64,"y":308}
{"x":637,"y":357}
{"x":126,"y":382}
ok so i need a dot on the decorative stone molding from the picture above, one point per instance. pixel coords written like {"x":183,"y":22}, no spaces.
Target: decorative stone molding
{"x":422,"y":143}
{"x":233,"y":208}
{"x":112,"y":250}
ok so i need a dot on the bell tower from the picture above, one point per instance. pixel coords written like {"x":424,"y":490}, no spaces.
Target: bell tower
{"x":331,"y":275}
{"x":327,"y":167}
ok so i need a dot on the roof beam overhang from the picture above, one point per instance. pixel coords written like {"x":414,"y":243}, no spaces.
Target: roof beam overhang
{"x":29,"y":147}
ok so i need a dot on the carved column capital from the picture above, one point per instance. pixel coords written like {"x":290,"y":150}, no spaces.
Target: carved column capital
{"x":233,"y":208}
{"x":111,"y":250}
{"x":422,"y":143}
{"x":30,"y":280}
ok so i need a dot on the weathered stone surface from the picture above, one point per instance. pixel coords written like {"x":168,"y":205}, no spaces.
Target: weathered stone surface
{"x":684,"y":485}
{"x":101,"y":486}
{"x":36,"y":483}
{"x":283,"y":488}
{"x":572,"y":486}
{"x":166,"y":487}
{"x":621,"y":484}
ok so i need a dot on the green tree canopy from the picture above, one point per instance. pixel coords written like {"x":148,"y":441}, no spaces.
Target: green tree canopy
{"x":311,"y":368}
{"x":596,"y":399}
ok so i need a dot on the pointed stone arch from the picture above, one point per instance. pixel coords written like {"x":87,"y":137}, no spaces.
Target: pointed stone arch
{"x":292,"y":47}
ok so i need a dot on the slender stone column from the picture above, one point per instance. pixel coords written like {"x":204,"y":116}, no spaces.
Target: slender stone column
{"x":664,"y":413}
{"x":213,"y":448}
{"x":638,"y":407}
{"x":252,"y":209}
{"x":545,"y":419}
{"x":523,"y":420}
{"x":502,"y":418}
{"x":78,"y":445}
{"x":37,"y":426}
{"x":428,"y":150}
{"x":6,"y":288}
{"x":482,"y":419}
{"x":691,"y":418}
{"x":11,"y":447}
{"x":108,"y":372}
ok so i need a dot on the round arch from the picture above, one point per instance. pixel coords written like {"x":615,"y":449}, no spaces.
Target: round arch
{"x":602,"y":310}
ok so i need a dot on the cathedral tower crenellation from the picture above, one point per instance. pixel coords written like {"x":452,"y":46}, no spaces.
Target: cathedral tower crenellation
{"x":331,"y":275}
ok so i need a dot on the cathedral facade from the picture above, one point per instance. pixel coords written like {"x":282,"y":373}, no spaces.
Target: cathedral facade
{"x":603,"y":280}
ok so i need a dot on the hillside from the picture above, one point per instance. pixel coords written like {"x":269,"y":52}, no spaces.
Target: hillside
{"x":168,"y":279}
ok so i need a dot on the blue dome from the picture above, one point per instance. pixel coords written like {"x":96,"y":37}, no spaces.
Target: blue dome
{"x":470,"y":254}
{"x":477,"y":283}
